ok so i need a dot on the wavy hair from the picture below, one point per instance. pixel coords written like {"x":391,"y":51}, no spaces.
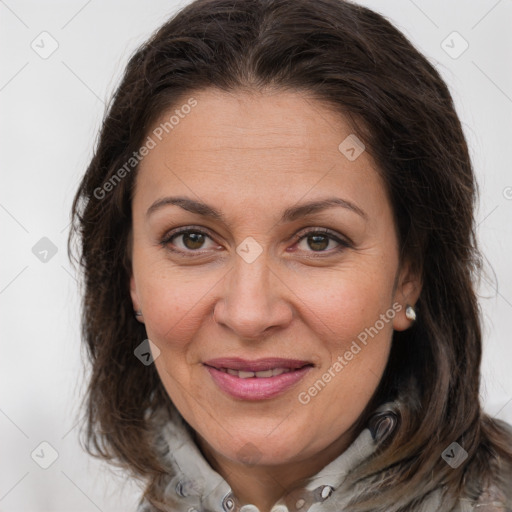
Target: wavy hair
{"x":356,"y":62}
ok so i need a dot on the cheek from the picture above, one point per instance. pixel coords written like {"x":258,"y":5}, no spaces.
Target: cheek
{"x":171,"y":318}
{"x":353,"y":316}
{"x":342,"y":305}
{"x":173,"y":301}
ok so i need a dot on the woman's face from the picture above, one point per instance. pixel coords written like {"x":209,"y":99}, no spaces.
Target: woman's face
{"x":259,"y":281}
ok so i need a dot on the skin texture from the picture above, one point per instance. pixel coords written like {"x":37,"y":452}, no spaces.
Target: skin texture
{"x":251,"y":156}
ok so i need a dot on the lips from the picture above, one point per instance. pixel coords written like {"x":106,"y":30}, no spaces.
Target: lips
{"x":271,"y":372}
{"x":257,"y":366}
{"x":259,"y":379}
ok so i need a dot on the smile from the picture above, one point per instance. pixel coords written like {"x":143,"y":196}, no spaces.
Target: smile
{"x":259,"y":375}
{"x":256,"y":380}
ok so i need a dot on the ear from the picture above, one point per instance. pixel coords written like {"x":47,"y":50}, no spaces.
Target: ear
{"x":407,"y":291}
{"x":135,"y":298}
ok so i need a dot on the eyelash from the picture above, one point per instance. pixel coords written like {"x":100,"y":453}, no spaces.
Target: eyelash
{"x":166,"y":241}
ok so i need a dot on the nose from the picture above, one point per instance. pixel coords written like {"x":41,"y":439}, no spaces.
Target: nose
{"x":254,"y":300}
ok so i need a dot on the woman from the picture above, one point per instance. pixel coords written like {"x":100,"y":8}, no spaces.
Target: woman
{"x":278,"y":245}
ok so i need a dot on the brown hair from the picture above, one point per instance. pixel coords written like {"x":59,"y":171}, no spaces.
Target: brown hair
{"x":354,"y":60}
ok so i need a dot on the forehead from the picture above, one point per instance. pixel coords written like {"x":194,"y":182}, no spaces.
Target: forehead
{"x":290,"y":121}
{"x":263,"y":147}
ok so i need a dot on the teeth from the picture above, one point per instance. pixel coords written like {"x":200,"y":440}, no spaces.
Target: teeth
{"x":262,"y":374}
{"x":266,"y":373}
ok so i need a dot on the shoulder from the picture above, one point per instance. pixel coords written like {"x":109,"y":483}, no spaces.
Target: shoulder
{"x":491,"y":484}
{"x":492,"y":499}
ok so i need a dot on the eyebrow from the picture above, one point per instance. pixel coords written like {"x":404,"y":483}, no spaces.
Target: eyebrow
{"x":289,"y":215}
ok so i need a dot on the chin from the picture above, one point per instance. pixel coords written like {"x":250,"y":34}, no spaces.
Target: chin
{"x":261,"y":452}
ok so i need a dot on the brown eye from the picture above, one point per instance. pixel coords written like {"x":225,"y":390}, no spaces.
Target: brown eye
{"x":193,"y":240}
{"x":319,"y":240}
{"x":186,"y":241}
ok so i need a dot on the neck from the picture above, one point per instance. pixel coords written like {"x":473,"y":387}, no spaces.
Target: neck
{"x":264,"y":485}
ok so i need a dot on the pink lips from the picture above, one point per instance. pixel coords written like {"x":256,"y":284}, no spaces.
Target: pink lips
{"x":288,"y":372}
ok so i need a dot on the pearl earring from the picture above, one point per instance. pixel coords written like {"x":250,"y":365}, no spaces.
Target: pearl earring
{"x":138,"y":313}
{"x":410,"y":313}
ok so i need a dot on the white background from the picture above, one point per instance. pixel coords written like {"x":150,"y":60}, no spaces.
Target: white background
{"x":51,"y":110}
